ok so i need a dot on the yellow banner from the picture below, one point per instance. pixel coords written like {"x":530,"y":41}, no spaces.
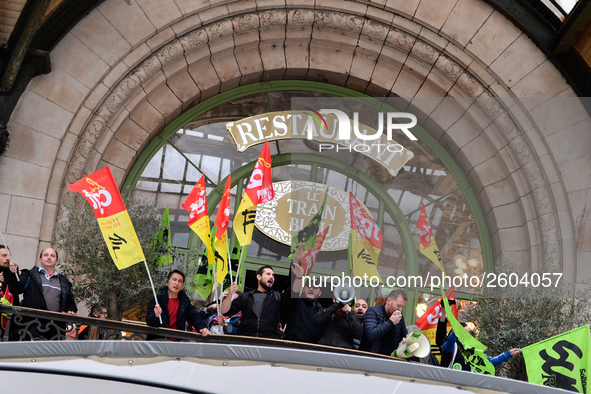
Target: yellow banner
{"x":121,"y":239}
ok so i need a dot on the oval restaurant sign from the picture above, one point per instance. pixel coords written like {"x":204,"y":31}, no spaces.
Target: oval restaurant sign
{"x":294,"y":205}
{"x":299,"y":124}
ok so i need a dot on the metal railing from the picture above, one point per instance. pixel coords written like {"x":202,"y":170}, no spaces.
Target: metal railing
{"x":26,"y":324}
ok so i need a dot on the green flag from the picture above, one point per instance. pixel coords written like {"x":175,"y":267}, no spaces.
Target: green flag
{"x":163,"y":240}
{"x":203,"y":282}
{"x":307,"y":235}
{"x":472,"y":350}
{"x":562,"y":361}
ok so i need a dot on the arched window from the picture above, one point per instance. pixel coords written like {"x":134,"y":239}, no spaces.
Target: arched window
{"x":198,"y":143}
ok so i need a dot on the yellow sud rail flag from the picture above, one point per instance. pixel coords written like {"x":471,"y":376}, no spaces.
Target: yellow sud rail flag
{"x":102,"y":193}
{"x":366,"y":241}
{"x":428,"y":246}
{"x":258,"y":191}
{"x":220,"y":241}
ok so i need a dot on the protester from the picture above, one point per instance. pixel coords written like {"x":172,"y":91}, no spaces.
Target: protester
{"x":451,"y":357}
{"x":82,"y":332}
{"x":359,"y":308}
{"x":260,"y":308}
{"x":8,"y":274}
{"x":383,"y":325}
{"x":229,"y":324}
{"x":299,"y":310}
{"x":175,"y":307}
{"x":339,"y":325}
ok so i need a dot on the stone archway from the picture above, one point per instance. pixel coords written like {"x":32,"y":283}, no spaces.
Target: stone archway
{"x":110,"y":94}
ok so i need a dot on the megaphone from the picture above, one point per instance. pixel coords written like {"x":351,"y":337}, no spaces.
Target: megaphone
{"x":417,"y":344}
{"x":344,"y":294}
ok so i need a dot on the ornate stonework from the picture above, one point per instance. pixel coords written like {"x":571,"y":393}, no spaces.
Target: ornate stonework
{"x":396,"y":37}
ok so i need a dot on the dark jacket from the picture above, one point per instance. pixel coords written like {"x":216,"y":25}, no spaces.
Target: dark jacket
{"x":380,"y":335}
{"x":299,"y":314}
{"x":267,"y":326}
{"x":338,"y":328}
{"x":30,"y":287}
{"x":185,"y":314}
{"x":10,"y":281}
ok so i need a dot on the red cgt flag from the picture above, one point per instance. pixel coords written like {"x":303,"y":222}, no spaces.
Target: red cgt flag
{"x":258,"y":191}
{"x":196,"y":203}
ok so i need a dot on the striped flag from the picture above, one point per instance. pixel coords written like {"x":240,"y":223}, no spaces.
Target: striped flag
{"x":310,"y":254}
{"x":100,"y":190}
{"x":258,"y":191}
{"x":308,"y":234}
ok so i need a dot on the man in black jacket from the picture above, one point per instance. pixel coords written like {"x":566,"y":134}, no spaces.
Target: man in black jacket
{"x":299,"y":310}
{"x":175,"y":307}
{"x":339,"y":325}
{"x":384,"y":326}
{"x":44,"y":288}
{"x":260,"y":308}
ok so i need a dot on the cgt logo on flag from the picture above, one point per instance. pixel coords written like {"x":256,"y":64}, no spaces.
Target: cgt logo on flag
{"x":199,"y":206}
{"x":98,"y":196}
{"x":101,"y":192}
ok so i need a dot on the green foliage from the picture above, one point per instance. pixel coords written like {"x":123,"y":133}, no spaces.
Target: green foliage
{"x":509,"y":317}
{"x":97,"y":281}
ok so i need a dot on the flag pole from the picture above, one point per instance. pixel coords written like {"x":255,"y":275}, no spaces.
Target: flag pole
{"x":230,"y":268}
{"x":153,"y":289}
{"x":240,"y":263}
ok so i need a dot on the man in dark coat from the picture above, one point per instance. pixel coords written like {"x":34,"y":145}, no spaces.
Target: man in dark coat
{"x":383,"y":325}
{"x":44,"y":288}
{"x":299,"y":310}
{"x":175,"y":308}
{"x":260,"y":308}
{"x":339,"y":325}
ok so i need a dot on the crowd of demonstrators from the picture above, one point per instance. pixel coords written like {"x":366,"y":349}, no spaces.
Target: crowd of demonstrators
{"x":174,"y":308}
{"x":451,"y":357}
{"x":263,"y":312}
